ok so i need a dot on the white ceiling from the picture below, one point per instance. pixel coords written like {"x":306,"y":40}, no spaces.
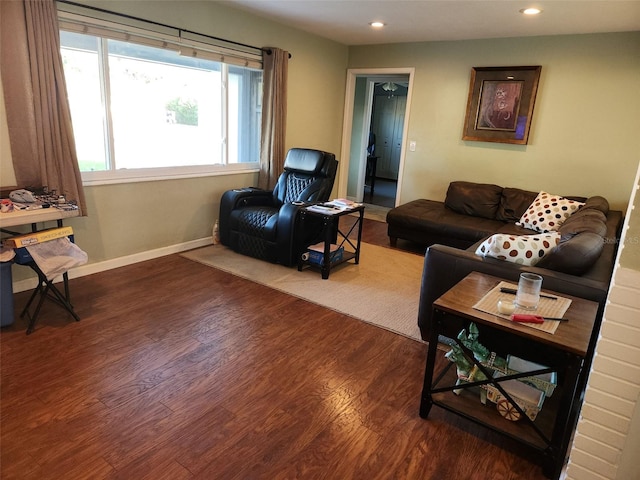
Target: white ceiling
{"x":347,"y":21}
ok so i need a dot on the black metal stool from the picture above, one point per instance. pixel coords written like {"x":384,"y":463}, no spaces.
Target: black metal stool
{"x":44,"y":289}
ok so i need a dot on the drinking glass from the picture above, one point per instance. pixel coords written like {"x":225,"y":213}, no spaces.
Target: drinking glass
{"x":528,"y":294}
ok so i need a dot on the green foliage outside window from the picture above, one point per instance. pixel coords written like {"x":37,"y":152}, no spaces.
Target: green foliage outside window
{"x":184,"y":112}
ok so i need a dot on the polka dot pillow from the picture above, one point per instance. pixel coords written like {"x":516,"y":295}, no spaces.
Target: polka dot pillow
{"x":548,"y":212}
{"x":521,"y":249}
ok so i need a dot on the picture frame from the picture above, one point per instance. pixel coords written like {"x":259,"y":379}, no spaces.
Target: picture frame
{"x":500,"y":104}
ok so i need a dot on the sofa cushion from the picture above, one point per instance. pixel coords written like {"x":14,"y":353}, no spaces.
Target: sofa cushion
{"x":575,"y":256}
{"x":584,"y":220}
{"x":428,"y":217}
{"x":474,"y":199}
{"x":547,"y":212}
{"x":598,"y":203}
{"x":520,"y":249}
{"x":513,"y":204}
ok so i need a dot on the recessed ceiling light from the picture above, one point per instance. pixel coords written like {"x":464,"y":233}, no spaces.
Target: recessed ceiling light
{"x":377,"y":24}
{"x":531,"y":11}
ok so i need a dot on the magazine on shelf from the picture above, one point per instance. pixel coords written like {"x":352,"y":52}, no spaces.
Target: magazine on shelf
{"x":315,"y":253}
{"x":324,"y":209}
{"x":334,"y":206}
{"x":343,"y":203}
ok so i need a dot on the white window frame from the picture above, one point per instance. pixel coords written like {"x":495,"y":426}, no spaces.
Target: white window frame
{"x":100,"y":24}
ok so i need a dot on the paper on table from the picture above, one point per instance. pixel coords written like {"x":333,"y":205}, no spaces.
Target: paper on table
{"x":322,"y":209}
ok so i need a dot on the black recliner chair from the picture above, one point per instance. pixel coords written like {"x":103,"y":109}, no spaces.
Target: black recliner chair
{"x":264,"y":223}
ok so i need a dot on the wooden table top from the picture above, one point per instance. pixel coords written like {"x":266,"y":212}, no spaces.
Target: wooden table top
{"x":25,"y":217}
{"x":572,"y":336}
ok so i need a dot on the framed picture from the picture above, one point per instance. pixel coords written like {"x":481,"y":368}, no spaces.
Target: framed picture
{"x":500,"y":104}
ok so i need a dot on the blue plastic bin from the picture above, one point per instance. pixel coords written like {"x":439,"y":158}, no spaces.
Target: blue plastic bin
{"x":6,"y":295}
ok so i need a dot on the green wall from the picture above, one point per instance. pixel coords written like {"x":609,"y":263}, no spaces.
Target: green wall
{"x":584,"y":137}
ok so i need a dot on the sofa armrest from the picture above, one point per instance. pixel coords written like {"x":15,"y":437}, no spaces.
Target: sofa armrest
{"x":445,"y":266}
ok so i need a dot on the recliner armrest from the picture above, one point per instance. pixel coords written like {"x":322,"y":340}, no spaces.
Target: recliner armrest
{"x":285,"y":234}
{"x":237,"y":198}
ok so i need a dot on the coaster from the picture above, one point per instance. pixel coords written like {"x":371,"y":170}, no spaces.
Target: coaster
{"x":546,"y":307}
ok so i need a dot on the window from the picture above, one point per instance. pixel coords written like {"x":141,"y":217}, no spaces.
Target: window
{"x":144,"y":111}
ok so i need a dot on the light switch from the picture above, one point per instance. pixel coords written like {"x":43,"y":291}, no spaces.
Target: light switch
{"x":412,"y":145}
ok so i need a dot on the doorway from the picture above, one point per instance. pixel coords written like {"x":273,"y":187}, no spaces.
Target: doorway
{"x":375,"y":131}
{"x":385,"y":141}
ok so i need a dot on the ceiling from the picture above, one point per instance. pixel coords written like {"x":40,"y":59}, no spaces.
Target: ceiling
{"x":347,"y":21}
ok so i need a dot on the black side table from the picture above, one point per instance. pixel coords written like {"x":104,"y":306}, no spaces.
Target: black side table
{"x":331,"y":224}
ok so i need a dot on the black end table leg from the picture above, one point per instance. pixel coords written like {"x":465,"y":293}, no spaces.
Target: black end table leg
{"x":426,"y":401}
{"x":326,"y":262}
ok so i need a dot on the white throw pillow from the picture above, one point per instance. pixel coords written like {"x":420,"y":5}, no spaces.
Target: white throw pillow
{"x":548,"y":212}
{"x":521,"y":249}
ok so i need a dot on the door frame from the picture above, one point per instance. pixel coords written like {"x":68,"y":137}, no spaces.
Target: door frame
{"x":347,"y":126}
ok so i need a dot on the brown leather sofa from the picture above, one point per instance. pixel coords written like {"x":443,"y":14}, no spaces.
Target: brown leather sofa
{"x":580,"y":265}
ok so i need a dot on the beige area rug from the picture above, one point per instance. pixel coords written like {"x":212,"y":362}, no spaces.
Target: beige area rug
{"x":383,"y":289}
{"x":375,"y":212}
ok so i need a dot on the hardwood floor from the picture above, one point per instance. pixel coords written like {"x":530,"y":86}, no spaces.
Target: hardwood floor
{"x":180,"y":371}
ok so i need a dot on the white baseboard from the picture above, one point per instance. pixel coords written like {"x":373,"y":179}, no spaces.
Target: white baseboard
{"x":91,"y":268}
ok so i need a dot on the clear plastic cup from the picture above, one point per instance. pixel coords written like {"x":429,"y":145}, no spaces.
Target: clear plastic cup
{"x":528,"y":294}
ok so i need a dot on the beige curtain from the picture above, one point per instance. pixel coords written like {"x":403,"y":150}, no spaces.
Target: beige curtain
{"x":37,"y":106}
{"x":274,"y":116}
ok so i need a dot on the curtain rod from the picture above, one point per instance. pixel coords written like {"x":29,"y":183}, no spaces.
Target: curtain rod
{"x":158,"y":24}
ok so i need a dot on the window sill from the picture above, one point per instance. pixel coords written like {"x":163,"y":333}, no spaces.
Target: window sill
{"x":159,"y":174}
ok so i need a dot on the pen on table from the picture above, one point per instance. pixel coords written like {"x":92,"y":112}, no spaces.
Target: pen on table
{"x":513,"y":291}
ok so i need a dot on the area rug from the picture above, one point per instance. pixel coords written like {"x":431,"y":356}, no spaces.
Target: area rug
{"x":376,"y":212}
{"x":383,"y":289}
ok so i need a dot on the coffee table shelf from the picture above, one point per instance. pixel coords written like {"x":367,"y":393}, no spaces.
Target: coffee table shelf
{"x":467,"y":404}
